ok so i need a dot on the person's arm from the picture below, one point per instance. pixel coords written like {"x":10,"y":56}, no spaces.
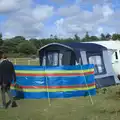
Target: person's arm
{"x":14,"y":74}
{"x":1,"y":80}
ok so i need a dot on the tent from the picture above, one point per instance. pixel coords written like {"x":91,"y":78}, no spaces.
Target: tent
{"x":75,"y":53}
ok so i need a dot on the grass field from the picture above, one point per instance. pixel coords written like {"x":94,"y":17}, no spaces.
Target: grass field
{"x":106,"y":107}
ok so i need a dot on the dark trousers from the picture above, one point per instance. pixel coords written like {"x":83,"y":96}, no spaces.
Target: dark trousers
{"x":6,"y":89}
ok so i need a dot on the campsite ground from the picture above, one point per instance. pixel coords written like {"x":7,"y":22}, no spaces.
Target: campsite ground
{"x":106,"y":107}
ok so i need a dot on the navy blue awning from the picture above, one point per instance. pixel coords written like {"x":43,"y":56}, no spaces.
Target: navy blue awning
{"x":78,"y":46}
{"x":86,"y":46}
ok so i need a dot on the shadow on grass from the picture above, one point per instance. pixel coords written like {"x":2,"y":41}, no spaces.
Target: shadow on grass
{"x":17,"y":98}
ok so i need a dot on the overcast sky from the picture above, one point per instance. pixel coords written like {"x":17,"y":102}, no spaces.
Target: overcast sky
{"x":64,"y":18}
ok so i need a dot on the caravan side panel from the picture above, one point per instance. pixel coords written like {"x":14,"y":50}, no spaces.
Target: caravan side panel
{"x":104,"y":73}
{"x":109,"y":78}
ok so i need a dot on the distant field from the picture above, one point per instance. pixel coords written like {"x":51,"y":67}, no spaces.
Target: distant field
{"x":24,"y":61}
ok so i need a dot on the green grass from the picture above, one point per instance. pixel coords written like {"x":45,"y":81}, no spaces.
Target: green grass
{"x":106,"y":107}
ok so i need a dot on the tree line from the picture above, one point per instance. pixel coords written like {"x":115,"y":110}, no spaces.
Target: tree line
{"x":18,"y":46}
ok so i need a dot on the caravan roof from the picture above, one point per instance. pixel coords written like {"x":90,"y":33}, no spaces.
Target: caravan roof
{"x":108,"y":44}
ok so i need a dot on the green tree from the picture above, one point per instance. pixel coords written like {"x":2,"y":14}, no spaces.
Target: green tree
{"x":51,"y":36}
{"x":86,"y":37}
{"x":55,"y":38}
{"x":19,"y":38}
{"x":94,"y":38}
{"x":108,"y":36}
{"x":1,"y":40}
{"x":76,"y":37}
{"x":103,"y":37}
{"x":9,"y":46}
{"x":36,"y":42}
{"x":19,"y":44}
{"x":116,"y":36}
{"x":27,"y":48}
{"x":13,"y":43}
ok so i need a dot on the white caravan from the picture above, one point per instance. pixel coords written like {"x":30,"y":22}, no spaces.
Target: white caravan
{"x":114,"y":51}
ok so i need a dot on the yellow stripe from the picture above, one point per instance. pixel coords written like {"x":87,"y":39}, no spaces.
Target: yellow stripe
{"x":52,"y":90}
{"x":53,"y":71}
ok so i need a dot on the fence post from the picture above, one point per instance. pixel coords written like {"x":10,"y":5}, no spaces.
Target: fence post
{"x":15,"y":62}
{"x":28,"y":62}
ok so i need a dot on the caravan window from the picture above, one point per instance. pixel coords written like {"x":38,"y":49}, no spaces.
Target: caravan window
{"x":97,"y":60}
{"x":60,"y":58}
{"x":116,"y":55}
{"x":57,"y":58}
{"x":44,"y":61}
{"x":52,"y":58}
{"x":68,"y":58}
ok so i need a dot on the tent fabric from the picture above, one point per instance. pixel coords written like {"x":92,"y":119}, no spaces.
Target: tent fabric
{"x":86,"y":46}
{"x":81,"y":50}
{"x":60,"y":82}
{"x":78,"y":46}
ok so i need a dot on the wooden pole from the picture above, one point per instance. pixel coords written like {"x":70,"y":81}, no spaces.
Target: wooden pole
{"x":87,"y":86}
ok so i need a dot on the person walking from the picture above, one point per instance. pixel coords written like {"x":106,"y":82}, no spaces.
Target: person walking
{"x":7,"y":75}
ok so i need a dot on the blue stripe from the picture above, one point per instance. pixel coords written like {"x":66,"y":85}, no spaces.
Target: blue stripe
{"x":54,"y":81}
{"x":31,"y":81}
{"x":40,"y":95}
